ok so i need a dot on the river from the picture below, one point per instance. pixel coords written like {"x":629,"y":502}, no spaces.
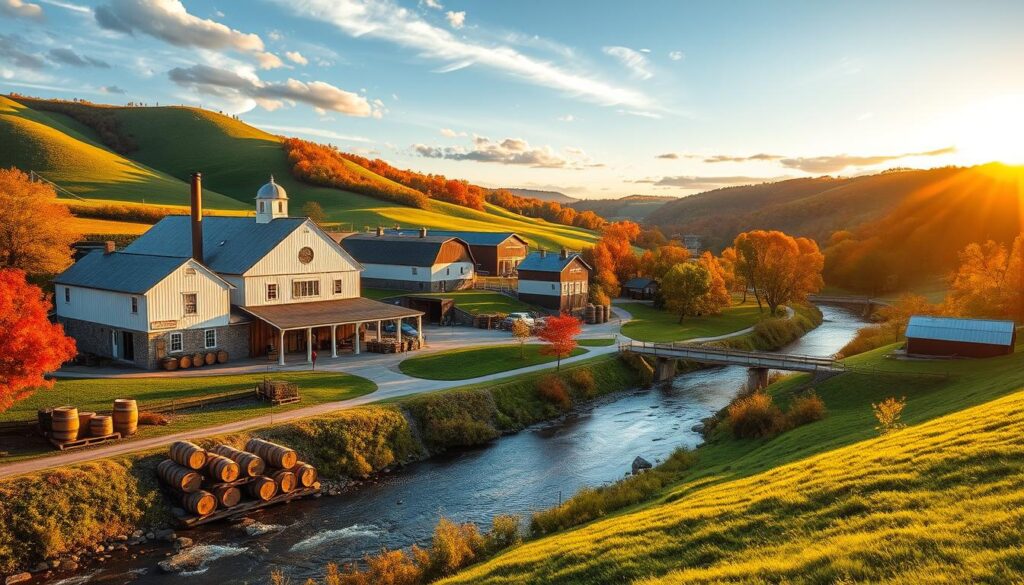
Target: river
{"x":516,"y":474}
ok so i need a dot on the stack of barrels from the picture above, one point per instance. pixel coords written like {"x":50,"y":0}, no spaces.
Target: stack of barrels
{"x":206,"y":481}
{"x":66,"y":424}
{"x":195,"y":360}
{"x":590,"y":314}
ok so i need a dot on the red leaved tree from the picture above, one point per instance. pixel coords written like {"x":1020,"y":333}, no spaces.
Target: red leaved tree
{"x":31,"y":345}
{"x":560,"y":335}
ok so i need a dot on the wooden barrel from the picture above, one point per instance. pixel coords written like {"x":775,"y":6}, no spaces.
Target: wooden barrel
{"x":262,"y":488}
{"x":249,"y":465}
{"x":198,"y":359}
{"x":101,"y":425}
{"x":126,"y":416}
{"x":227,"y":496}
{"x":83,"y":421}
{"x":200,"y":503}
{"x":220,"y":469}
{"x":222,"y":357}
{"x":170,"y":363}
{"x":211,"y":358}
{"x":188,"y":454}
{"x":273,"y":454}
{"x":45,"y":418}
{"x":284,"y":479}
{"x":305,"y":474}
{"x":178,"y":477}
{"x":185,"y":362}
{"x":607,"y":313}
{"x":589,"y":314}
{"x":64,"y":424}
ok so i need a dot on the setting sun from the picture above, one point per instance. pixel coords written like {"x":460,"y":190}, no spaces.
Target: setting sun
{"x":992,"y":130}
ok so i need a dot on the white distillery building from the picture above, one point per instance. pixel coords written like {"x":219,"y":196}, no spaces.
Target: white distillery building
{"x":418,"y":261}
{"x":272,"y":285}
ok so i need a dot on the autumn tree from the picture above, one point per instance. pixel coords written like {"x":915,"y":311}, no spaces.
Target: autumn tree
{"x":734,"y":280}
{"x":35,"y":232}
{"x":989,"y":281}
{"x":718,"y":296}
{"x":651,"y":239}
{"x":31,"y":345}
{"x":521,"y":331}
{"x":314,"y":211}
{"x":779,"y":267}
{"x":656,"y":263}
{"x":560,"y":335}
{"x":685,"y":289}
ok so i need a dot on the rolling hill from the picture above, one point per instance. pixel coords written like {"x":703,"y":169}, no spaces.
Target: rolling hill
{"x":544,"y":195}
{"x":638,"y":208}
{"x":235,"y":159}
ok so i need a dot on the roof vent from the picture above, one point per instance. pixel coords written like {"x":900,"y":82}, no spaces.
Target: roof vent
{"x":564,"y":254}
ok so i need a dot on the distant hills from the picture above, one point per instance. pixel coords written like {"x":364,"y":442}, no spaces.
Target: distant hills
{"x":638,"y":208}
{"x":544,"y":195}
{"x":162,"y":146}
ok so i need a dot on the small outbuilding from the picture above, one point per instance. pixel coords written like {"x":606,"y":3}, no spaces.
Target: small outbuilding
{"x":640,"y":288}
{"x":557,"y":282}
{"x":955,"y":337}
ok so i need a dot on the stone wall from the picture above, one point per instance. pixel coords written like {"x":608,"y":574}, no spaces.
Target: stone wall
{"x":234,"y":339}
{"x":95,"y":338}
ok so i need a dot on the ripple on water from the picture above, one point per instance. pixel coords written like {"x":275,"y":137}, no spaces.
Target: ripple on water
{"x":354,"y":531}
{"x":259,"y":528}
{"x":196,"y":560}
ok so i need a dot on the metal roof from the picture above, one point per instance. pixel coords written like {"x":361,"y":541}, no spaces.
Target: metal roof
{"x":549,"y":262}
{"x":321,"y":313}
{"x":985,"y":331}
{"x":471,"y":238}
{"x":638,"y":283}
{"x":119,"y":271}
{"x":231,"y":245}
{"x":411,"y":250}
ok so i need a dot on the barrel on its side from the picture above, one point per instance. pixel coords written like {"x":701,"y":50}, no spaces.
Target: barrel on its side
{"x":211,"y":358}
{"x":273,"y":454}
{"x":185,"y":362}
{"x":227,"y":496}
{"x":188,"y":454}
{"x":200,"y":503}
{"x":198,"y":359}
{"x":305,"y":474}
{"x":248,"y":464}
{"x":222,"y":357}
{"x":179,"y":477}
{"x":169,"y":363}
{"x":64,"y":424}
{"x":126,"y":416}
{"x":284,"y":479}
{"x":220,"y":468}
{"x":101,"y":425}
{"x":262,"y":488}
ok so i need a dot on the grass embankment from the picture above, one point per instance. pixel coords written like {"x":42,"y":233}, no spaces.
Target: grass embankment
{"x":98,"y":395}
{"x":829,"y":501}
{"x":472,"y":362}
{"x":774,"y":333}
{"x":52,"y":512}
{"x":596,"y":342}
{"x":650,"y":324}
{"x":474,"y":302}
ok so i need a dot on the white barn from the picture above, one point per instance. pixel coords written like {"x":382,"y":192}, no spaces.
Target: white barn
{"x":419,"y":262}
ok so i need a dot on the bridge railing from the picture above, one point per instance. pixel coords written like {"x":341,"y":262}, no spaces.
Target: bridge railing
{"x":734,"y":356}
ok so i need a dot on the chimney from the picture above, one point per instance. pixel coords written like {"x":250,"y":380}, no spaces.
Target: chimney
{"x":564,"y":254}
{"x":423,"y":232}
{"x":543,"y":253}
{"x":108,"y":247}
{"x":197,"y":216}
{"x":380,"y":230}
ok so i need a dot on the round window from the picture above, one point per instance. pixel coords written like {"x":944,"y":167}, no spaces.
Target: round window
{"x":306,"y":255}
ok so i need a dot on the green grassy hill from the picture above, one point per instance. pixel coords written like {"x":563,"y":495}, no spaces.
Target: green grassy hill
{"x":639,"y":208}
{"x":235,"y":159}
{"x":828,"y":502}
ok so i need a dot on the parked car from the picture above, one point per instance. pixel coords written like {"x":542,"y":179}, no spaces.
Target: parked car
{"x":407,"y":330}
{"x":524,"y":317}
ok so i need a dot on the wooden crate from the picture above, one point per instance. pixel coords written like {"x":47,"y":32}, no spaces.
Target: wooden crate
{"x":278,"y":391}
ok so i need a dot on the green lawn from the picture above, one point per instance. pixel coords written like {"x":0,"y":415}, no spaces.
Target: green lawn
{"x":473,"y":302}
{"x":830,"y":501}
{"x":98,"y":395}
{"x":472,"y":362}
{"x":650,"y":324}
{"x":598,"y":342}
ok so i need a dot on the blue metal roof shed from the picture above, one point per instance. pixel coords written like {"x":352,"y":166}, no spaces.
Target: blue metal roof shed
{"x":950,"y":336}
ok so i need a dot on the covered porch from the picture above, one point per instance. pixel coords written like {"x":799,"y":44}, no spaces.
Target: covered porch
{"x":330,"y":326}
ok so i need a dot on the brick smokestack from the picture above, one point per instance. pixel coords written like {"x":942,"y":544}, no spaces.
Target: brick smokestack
{"x":197,"y":216}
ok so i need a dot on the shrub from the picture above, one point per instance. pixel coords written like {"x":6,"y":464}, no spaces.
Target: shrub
{"x":454,"y":546}
{"x":152,"y":419}
{"x":805,"y":409}
{"x":504,"y":533}
{"x":755,"y":416}
{"x":455,"y":419}
{"x":889,"y":413}
{"x":552,"y":390}
{"x":583,"y":382}
{"x":869,"y":338}
{"x":390,"y":567}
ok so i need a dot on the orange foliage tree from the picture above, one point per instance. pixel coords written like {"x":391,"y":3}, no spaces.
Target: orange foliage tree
{"x":34,"y":232}
{"x":718,"y":296}
{"x":560,"y":335}
{"x":656,"y":263}
{"x":779,"y":267}
{"x":31,"y":344}
{"x":612,"y":258}
{"x":989,"y":281}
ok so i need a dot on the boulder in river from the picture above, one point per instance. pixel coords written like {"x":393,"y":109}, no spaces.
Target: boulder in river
{"x":18,"y":578}
{"x":641,"y":464}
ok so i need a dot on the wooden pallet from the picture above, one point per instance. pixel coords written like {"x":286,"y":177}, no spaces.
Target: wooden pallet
{"x":246,"y":506}
{"x":289,"y":400}
{"x":81,"y":442}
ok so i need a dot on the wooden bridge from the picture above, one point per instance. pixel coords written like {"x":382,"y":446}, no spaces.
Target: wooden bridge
{"x":759,"y":363}
{"x":867,"y":305}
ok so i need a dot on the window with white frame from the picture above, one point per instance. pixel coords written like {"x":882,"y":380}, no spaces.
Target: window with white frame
{"x":191,"y":303}
{"x":337,"y":286}
{"x":177,"y":343}
{"x":67,"y":294}
{"x":448,"y":271}
{"x":305,"y":288}
{"x":272,"y":292}
{"x":135,"y":305}
{"x":210,"y":337}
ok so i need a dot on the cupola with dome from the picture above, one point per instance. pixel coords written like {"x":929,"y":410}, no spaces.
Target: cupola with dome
{"x":271,"y":202}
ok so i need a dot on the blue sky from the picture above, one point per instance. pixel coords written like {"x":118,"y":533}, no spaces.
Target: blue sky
{"x":595,"y":99}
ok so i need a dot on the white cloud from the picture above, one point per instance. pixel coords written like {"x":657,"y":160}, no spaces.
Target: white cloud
{"x":247,"y":90}
{"x":835,"y":163}
{"x":296,"y":57}
{"x":567,"y":118}
{"x":641,"y":114}
{"x":451,"y":133}
{"x":383,"y":19}
{"x":635,"y":61}
{"x":456,"y":19}
{"x":707,"y":183}
{"x":21,"y":9}
{"x":433,"y":4}
{"x":318,"y":132}
{"x":510,"y":151}
{"x":676,"y":55}
{"x":68,"y":6}
{"x":269,"y":61}
{"x":275,"y":35}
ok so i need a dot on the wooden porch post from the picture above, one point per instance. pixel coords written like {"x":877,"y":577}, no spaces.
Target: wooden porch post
{"x":309,"y":345}
{"x":398,"y":331}
{"x":419,"y":328}
{"x":280,"y":348}
{"x":355,"y":340}
{"x":378,"y":331}
{"x":334,"y":341}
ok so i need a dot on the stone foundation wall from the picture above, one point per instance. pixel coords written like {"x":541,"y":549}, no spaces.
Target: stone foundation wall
{"x":234,"y":339}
